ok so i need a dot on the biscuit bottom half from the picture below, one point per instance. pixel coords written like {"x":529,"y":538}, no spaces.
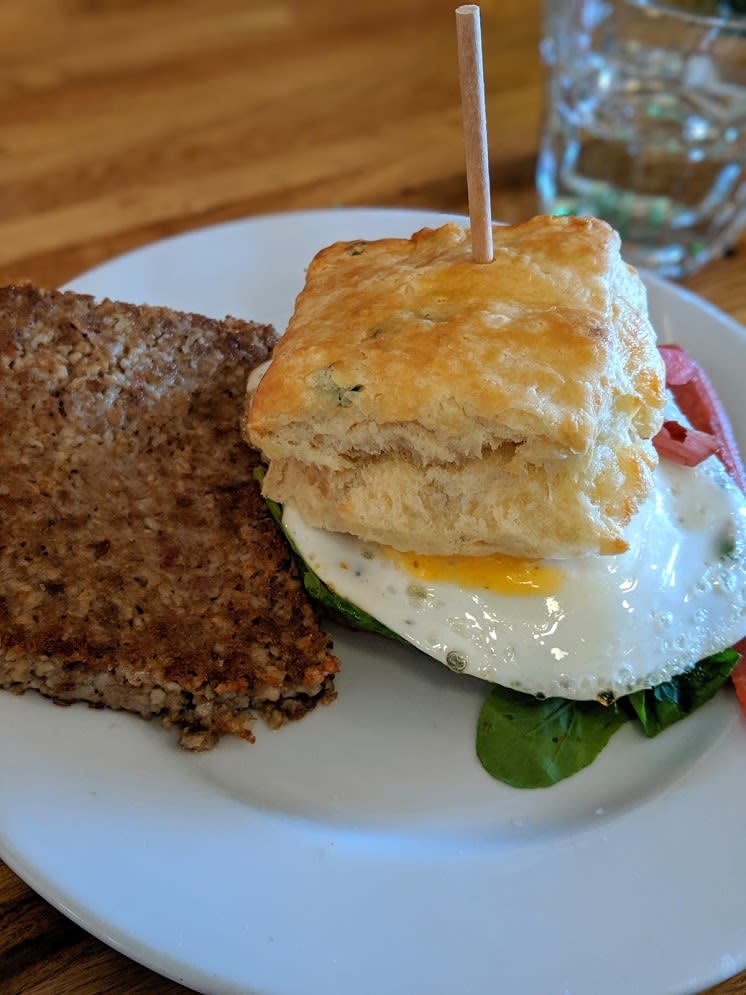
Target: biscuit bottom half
{"x":498,"y":503}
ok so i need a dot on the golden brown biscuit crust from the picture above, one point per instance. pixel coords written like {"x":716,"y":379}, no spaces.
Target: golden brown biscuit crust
{"x":404,"y":349}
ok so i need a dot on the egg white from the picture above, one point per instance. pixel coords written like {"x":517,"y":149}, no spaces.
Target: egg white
{"x":617,"y":623}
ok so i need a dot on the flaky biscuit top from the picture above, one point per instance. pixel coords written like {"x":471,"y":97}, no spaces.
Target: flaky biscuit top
{"x":412,"y":332}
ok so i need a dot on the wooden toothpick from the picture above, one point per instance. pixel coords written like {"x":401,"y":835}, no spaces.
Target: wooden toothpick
{"x":471,"y":76}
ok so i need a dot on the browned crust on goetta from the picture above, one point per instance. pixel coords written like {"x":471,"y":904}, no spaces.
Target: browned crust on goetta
{"x":139,"y":568}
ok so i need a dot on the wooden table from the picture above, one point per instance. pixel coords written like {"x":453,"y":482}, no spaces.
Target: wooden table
{"x":124,"y":121}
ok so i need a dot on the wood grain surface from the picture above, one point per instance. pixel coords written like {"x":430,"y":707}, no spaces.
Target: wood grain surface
{"x":122,"y":121}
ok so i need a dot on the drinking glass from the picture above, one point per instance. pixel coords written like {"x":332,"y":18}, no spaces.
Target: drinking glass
{"x":645,"y":124}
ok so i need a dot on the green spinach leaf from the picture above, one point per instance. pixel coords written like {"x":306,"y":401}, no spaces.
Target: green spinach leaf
{"x":659,"y":707}
{"x":529,"y":742}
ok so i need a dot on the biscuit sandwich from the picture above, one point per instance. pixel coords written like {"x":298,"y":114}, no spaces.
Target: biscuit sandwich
{"x":467,"y":453}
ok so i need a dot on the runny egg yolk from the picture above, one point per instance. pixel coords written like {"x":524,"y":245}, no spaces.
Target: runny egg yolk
{"x":496,"y":572}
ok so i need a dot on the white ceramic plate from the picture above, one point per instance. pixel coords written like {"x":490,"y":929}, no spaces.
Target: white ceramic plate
{"x":364,"y":850}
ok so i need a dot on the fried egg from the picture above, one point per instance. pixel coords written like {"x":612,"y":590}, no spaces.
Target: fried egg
{"x":596,"y":626}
